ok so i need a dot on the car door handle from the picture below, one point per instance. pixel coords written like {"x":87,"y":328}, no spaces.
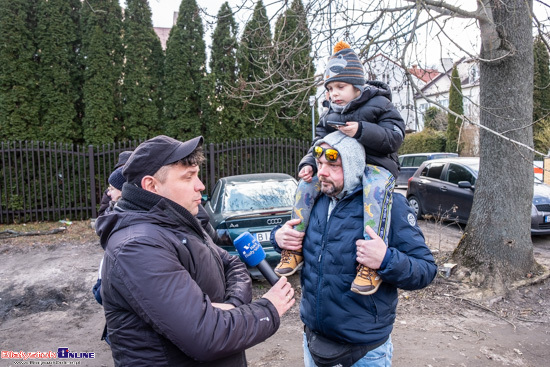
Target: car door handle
{"x":444,"y":188}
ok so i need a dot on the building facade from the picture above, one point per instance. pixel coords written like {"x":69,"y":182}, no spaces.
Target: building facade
{"x":382,"y":68}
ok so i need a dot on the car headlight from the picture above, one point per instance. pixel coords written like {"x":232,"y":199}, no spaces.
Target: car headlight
{"x":534,"y":210}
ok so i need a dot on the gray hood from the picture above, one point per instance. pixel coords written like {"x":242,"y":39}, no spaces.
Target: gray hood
{"x":353,"y":159}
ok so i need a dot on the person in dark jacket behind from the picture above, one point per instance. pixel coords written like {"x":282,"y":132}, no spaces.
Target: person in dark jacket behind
{"x":171,"y":296}
{"x":106,"y":198}
{"x":342,"y":326}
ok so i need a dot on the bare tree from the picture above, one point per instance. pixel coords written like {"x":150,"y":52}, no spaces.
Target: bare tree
{"x":496,"y":247}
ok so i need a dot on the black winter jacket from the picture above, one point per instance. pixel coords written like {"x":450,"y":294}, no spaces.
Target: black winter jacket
{"x":381,"y":127}
{"x":105,"y":202}
{"x":161,"y":272}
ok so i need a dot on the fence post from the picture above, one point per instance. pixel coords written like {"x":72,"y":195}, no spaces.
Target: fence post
{"x":92,"y":180}
{"x":211,"y":161}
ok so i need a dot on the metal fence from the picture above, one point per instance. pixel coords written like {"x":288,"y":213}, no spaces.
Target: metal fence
{"x":41,"y":181}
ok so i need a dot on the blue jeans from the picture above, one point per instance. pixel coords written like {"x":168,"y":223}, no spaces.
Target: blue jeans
{"x":379,"y":357}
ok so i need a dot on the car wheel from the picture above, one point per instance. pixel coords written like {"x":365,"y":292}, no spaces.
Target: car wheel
{"x":415,"y":204}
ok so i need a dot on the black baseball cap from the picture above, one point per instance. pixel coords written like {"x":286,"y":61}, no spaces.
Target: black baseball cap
{"x":154,"y":153}
{"x":123,"y":158}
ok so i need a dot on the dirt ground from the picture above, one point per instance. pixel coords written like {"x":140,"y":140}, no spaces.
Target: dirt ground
{"x":46,"y":303}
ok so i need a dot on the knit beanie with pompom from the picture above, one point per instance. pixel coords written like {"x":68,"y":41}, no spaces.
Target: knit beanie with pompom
{"x":344,"y":65}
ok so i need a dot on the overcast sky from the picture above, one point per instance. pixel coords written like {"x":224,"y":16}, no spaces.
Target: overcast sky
{"x":163,"y":10}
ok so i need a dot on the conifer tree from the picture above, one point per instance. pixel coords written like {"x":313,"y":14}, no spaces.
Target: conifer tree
{"x":185,"y":71}
{"x":254,"y":58}
{"x":141,"y":86}
{"x":58,"y":39}
{"x":226,"y":124}
{"x":18,"y":62}
{"x":295,"y":74}
{"x":541,"y":95}
{"x":103,"y":56}
{"x":456,"y":105}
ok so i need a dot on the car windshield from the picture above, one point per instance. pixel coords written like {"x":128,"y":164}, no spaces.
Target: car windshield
{"x":258,"y":196}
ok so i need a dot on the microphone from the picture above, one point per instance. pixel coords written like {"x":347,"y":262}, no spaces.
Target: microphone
{"x":253,"y":254}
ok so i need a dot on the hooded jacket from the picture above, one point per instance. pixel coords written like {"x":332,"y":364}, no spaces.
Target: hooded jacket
{"x":381,"y":127}
{"x":161,"y":273}
{"x":328,"y":306}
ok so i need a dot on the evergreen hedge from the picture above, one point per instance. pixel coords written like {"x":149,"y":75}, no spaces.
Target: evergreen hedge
{"x":428,"y":140}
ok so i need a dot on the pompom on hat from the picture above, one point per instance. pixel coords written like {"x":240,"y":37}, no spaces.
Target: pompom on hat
{"x":344,"y":65}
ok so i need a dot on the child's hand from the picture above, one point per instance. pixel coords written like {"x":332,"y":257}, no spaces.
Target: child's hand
{"x":306,"y":173}
{"x":350,"y":129}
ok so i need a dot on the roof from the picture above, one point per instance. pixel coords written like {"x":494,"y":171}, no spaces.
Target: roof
{"x":427,"y":153}
{"x":448,"y":73}
{"x":468,"y":161}
{"x":426,"y":75}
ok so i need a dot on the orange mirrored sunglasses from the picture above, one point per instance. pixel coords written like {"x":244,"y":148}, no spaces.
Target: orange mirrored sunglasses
{"x":331,"y":154}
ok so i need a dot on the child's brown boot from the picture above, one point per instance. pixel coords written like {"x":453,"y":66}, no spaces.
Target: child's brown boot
{"x":291,"y":262}
{"x":366,"y":282}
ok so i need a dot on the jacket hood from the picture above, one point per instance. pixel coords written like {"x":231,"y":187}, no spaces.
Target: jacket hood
{"x":378,"y":88}
{"x":370,"y":90}
{"x":353,"y":159}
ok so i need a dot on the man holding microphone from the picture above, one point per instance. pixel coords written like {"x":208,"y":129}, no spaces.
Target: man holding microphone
{"x":171,"y":296}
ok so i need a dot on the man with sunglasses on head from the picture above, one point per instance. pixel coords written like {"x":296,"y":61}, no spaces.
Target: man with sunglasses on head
{"x":363,"y":111}
{"x":343,"y":327}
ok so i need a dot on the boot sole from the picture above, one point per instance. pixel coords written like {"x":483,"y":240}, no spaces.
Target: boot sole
{"x":290,"y":272}
{"x":365,"y":293}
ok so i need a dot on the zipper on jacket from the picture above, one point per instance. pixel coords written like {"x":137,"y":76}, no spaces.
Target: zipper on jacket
{"x":320,"y":267}
{"x":213,"y":253}
{"x":375,"y":309}
{"x":320,"y":276}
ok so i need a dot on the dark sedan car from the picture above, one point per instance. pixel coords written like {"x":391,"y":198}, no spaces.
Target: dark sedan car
{"x":445,"y":188}
{"x":253,"y":203}
{"x":409,"y":163}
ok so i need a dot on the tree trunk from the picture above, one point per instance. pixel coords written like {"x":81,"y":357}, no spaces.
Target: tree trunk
{"x":497,"y":245}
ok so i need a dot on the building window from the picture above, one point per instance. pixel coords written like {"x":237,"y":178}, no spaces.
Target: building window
{"x":473,"y":74}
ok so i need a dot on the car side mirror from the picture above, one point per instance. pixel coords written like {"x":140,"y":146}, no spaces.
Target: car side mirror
{"x":466,"y":185}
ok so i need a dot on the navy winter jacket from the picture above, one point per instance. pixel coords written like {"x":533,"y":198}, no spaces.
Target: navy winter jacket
{"x":328,"y":305}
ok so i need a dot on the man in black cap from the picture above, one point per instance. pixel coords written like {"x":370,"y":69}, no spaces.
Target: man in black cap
{"x":171,"y":296}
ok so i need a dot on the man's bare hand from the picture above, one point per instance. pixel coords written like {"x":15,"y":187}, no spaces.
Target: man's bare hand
{"x":306,"y":173}
{"x":288,"y":238}
{"x":281,"y":295}
{"x":371,"y":252}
